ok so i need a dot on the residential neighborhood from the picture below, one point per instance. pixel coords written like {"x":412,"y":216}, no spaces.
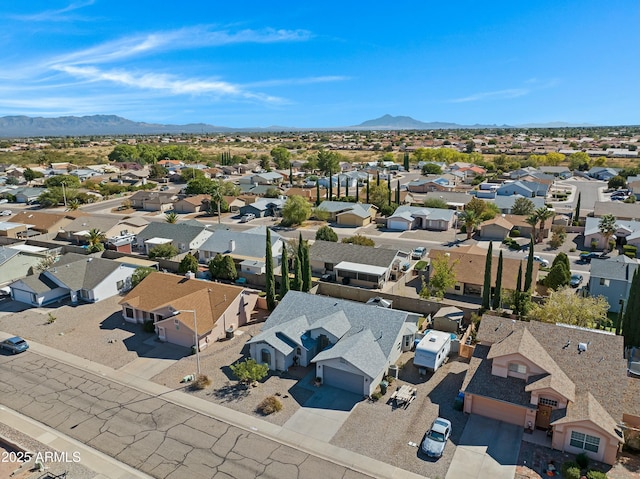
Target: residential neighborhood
{"x":237,"y":287}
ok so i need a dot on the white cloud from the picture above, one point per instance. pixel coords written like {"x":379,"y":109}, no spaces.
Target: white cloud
{"x":58,"y":15}
{"x":493,"y":95}
{"x":298,"y":81}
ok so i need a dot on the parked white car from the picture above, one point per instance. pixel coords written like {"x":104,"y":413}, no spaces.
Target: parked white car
{"x":542,"y":261}
{"x":6,"y":213}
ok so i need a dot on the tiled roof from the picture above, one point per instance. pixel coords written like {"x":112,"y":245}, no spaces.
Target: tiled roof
{"x":601,"y":370}
{"x":159,"y":290}
{"x":471,"y":262}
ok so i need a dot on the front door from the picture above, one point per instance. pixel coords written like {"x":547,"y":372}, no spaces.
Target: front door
{"x":161,"y":334}
{"x":543,"y":417}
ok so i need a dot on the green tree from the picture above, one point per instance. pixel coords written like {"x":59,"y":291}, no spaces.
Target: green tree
{"x":431,"y":169}
{"x":435,"y":203}
{"x":123,"y":153}
{"x":379,"y":195}
{"x":406,"y":161}
{"x":523,"y":206}
{"x":188,"y":263}
{"x":281,"y":156}
{"x":631,"y":316}
{"x":306,"y":268}
{"x":272,"y":192}
{"x":265,"y":162}
{"x":326,"y":233}
{"x":562,"y":258}
{"x":215,"y":266}
{"x":166,"y":250}
{"x":579,"y":161}
{"x":189,"y":174}
{"x":476,"y":205}
{"x":157,"y":171}
{"x":296,"y":210}
{"x":328,"y":161}
{"x":249,"y":371}
{"x":69,"y":181}
{"x":497,"y":292}
{"x":139,"y":274}
{"x":270,"y":280}
{"x":285,"y":284}
{"x":607,"y":227}
{"x":543,"y":214}
{"x":528,"y":276}
{"x":558,"y":277}
{"x":486,"y":286}
{"x":30,"y":175}
{"x":95,"y":237}
{"x":359,"y":240}
{"x":442,"y":277}
{"x":565,"y":306}
{"x":471,"y":220}
{"x":576,"y":216}
{"x":296,"y":284}
{"x":616,"y":182}
{"x":171,"y":217}
{"x":229,"y":270}
{"x":532,"y":220}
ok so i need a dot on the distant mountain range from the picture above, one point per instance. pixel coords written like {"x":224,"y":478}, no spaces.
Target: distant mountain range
{"x":25,"y":126}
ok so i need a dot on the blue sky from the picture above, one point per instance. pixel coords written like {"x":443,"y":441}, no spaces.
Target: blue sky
{"x":323,"y":64}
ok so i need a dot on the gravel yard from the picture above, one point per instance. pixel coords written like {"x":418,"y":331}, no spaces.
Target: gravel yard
{"x":379,"y":430}
{"x":94,"y":331}
{"x":215,"y":361}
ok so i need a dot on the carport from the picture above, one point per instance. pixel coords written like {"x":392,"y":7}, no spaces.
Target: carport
{"x":487,"y":448}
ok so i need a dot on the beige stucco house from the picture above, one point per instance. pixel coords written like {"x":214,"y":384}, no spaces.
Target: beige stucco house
{"x":176,"y":303}
{"x":568,"y":381}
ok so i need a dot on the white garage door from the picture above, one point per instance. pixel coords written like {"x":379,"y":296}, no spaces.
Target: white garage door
{"x":343,"y":380}
{"x":397,"y":225}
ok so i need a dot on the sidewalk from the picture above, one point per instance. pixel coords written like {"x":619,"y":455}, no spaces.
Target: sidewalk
{"x":288,"y":437}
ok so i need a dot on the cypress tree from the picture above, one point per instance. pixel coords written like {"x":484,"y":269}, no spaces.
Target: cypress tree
{"x":576,"y":216}
{"x":517,"y":297}
{"x":377,"y":179}
{"x":346,"y":188}
{"x":330,"y":186}
{"x":284,"y":272}
{"x":290,"y":174}
{"x":398,"y":193}
{"x":270,"y":286}
{"x":300,"y":246}
{"x":528,"y":276}
{"x":406,"y":161}
{"x":631,"y":318}
{"x":357,"y":192}
{"x":338,"y":186}
{"x":389,"y":189}
{"x":367,"y":190}
{"x":306,"y":269}
{"x":486,"y":287}
{"x":317,"y":193}
{"x":497,"y":295}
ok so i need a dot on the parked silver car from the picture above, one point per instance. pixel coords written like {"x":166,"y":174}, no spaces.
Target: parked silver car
{"x":15,"y":345}
{"x":436,"y":438}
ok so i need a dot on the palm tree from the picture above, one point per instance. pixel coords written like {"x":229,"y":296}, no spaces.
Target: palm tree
{"x":543,"y":213}
{"x":607,"y":227}
{"x":171,"y":217}
{"x":532,"y":220}
{"x":73,"y":205}
{"x":95,"y":236}
{"x":471,"y":219}
{"x":216,"y":197}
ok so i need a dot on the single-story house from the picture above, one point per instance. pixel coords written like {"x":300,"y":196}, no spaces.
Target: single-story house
{"x":9,"y":229}
{"x":627,"y":232}
{"x":357,"y":265}
{"x":469,"y":269}
{"x":45,"y":222}
{"x":241,"y":245}
{"x":454,"y":200}
{"x":349,"y":214}
{"x":74,"y":276}
{"x":179,"y":305}
{"x":602,"y":173}
{"x":622,"y":211}
{"x":558,"y":378}
{"x":505,"y":203}
{"x":611,"y":278}
{"x":190,"y":204}
{"x":528,"y":189}
{"x":425,"y":185}
{"x":417,"y":217}
{"x":185,"y":237}
{"x":499,"y":227}
{"x":17,"y":261}
{"x":264,"y":207}
{"x":28,"y":194}
{"x":266,"y":178}
{"x":561,"y":172}
{"x":152,"y":200}
{"x":351,"y":344}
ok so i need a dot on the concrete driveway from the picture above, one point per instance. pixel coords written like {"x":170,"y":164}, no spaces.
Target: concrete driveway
{"x":487,"y":448}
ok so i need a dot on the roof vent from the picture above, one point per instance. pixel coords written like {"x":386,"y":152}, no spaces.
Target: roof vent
{"x":582,"y":347}
{"x":432,"y":339}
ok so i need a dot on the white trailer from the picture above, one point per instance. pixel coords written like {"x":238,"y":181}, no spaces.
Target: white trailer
{"x":432,"y":350}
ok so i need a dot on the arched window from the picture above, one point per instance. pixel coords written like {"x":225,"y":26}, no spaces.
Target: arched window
{"x":265,"y":356}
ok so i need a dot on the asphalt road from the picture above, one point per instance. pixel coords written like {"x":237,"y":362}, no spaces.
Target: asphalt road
{"x":148,"y":433}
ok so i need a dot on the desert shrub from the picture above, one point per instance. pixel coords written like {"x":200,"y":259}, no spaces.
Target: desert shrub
{"x":514,"y":233}
{"x":582,"y":460}
{"x":420,"y":265}
{"x":593,"y":474}
{"x":570,"y":470}
{"x":594,"y":244}
{"x":200,"y":383}
{"x":376,"y":396}
{"x":269,"y":405}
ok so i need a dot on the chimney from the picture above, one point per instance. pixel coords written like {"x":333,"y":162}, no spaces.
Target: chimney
{"x":232,"y":246}
{"x":190,"y":275}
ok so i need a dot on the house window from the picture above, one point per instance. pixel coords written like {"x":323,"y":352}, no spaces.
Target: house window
{"x":604,"y":282}
{"x":517,"y":368}
{"x":265,"y":356}
{"x":457,"y":287}
{"x":584,"y":441}
{"x":128,"y":312}
{"x":548,"y":402}
{"x":299,"y":351}
{"x":119,"y":285}
{"x":176,"y":322}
